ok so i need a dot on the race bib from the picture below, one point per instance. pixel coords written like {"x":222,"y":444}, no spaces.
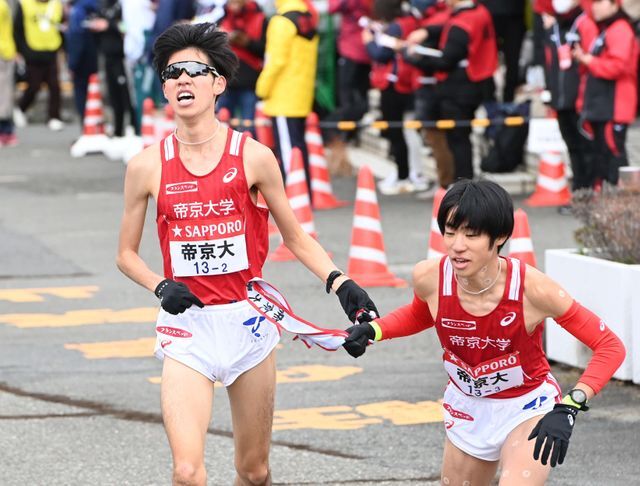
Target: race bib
{"x":208,"y":247}
{"x":487,"y":378}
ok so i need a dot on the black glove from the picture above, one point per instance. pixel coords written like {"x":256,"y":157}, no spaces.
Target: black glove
{"x":358,"y":340}
{"x":556,"y":427}
{"x":175,"y":297}
{"x":356,"y":302}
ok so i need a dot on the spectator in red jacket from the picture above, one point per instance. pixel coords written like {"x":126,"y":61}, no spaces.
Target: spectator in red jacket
{"x":246,"y":24}
{"x":608,"y":98}
{"x":354,"y":66}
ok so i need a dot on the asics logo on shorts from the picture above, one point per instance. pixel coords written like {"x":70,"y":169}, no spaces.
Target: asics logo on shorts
{"x":508,"y":319}
{"x":230,"y":175}
{"x":165,"y":342}
{"x":254,"y":324}
{"x":535,"y":403}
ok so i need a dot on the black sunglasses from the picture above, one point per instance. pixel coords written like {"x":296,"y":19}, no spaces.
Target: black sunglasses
{"x":192,"y":68}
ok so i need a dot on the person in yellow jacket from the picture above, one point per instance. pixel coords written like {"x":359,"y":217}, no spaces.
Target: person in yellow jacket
{"x":38,"y":40}
{"x":286,"y":83}
{"x":7,"y":65}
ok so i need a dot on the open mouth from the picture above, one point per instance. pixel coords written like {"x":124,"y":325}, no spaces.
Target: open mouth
{"x":185,"y":97}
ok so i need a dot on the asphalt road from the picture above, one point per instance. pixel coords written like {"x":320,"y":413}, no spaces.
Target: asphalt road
{"x":79,"y":393}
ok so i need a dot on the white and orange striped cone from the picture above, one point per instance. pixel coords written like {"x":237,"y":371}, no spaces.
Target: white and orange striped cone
{"x":299,"y":201}
{"x":167,"y":124}
{"x":520,"y":245}
{"x":322,"y":192}
{"x":367,"y":258}
{"x":551,"y":187}
{"x":148,"y":126}
{"x":264,"y":128}
{"x":436,"y":241}
{"x":93,"y":139}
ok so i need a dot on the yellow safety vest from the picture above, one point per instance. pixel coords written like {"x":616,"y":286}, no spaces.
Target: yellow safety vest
{"x":7,"y":46}
{"x":41,"y":20}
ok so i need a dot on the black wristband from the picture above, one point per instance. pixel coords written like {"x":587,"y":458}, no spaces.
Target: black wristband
{"x":160,"y":288}
{"x":331,"y":278}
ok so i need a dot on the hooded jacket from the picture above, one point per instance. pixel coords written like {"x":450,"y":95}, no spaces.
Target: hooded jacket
{"x":286,"y":83}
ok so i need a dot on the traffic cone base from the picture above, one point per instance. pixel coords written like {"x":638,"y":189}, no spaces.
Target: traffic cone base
{"x":367,"y":259}
{"x":551,"y":186}
{"x":93,"y":139}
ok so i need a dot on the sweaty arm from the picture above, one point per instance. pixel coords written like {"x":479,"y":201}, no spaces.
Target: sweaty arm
{"x":143,"y":171}
{"x":545,"y":298}
{"x":263,"y":172}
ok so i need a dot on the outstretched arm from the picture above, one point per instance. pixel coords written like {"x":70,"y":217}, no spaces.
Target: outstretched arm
{"x":263,"y":172}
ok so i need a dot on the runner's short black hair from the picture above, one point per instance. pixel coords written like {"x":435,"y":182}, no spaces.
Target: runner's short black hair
{"x":481,"y":206}
{"x":205,"y":37}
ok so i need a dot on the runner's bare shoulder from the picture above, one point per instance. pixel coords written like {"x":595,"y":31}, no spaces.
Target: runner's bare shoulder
{"x":425,"y":278}
{"x":144,"y":168}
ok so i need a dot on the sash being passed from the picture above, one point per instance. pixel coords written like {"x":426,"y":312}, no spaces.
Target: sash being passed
{"x":271,"y":304}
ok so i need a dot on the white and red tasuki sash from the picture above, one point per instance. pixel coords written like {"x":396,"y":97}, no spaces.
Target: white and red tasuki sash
{"x":271,"y":304}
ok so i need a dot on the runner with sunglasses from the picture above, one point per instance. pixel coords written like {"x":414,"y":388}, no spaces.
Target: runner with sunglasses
{"x":205,"y":181}
{"x":501,"y":403}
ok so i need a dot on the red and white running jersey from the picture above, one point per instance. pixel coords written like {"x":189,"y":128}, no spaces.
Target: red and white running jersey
{"x":212,"y":235}
{"x":490,"y":355}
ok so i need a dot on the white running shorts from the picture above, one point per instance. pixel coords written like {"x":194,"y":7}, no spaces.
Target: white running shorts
{"x":219,"y":341}
{"x":479,"y":426}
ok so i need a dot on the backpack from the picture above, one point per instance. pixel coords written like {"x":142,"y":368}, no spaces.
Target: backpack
{"x":506,"y":143}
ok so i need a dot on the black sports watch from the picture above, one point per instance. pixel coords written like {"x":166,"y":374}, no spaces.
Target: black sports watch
{"x":577,"y":398}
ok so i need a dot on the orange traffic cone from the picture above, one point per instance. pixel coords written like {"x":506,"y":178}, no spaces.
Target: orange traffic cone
{"x":298,"y":195}
{"x":436,"y":241}
{"x":520,"y":245}
{"x":148,"y":127}
{"x":167,"y":124}
{"x":551,"y":186}
{"x":322,"y":193}
{"x":264,"y":130}
{"x":367,"y":259}
{"x":93,"y":139}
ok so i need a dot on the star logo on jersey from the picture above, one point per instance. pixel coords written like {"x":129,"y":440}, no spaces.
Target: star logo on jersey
{"x":508,"y":319}
{"x":177,"y":231}
{"x":230,"y":175}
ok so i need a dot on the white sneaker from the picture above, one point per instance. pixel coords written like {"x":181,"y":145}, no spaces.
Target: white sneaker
{"x":420,"y":182}
{"x":55,"y":125}
{"x":19,"y":118}
{"x":403,"y":186}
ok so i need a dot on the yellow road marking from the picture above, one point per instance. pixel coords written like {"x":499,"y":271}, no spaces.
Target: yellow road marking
{"x":134,"y":348}
{"x":343,"y":417}
{"x":81,"y":318}
{"x":303,"y":374}
{"x":36,"y":294}
{"x":404,"y":413}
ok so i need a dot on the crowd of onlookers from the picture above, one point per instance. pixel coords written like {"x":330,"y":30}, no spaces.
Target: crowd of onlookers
{"x":429,"y":60}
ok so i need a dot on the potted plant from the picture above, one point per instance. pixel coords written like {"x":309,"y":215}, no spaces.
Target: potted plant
{"x":603,"y":274}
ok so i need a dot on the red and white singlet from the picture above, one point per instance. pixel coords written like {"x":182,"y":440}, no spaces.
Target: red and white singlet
{"x":490,"y":355}
{"x":212,"y":235}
